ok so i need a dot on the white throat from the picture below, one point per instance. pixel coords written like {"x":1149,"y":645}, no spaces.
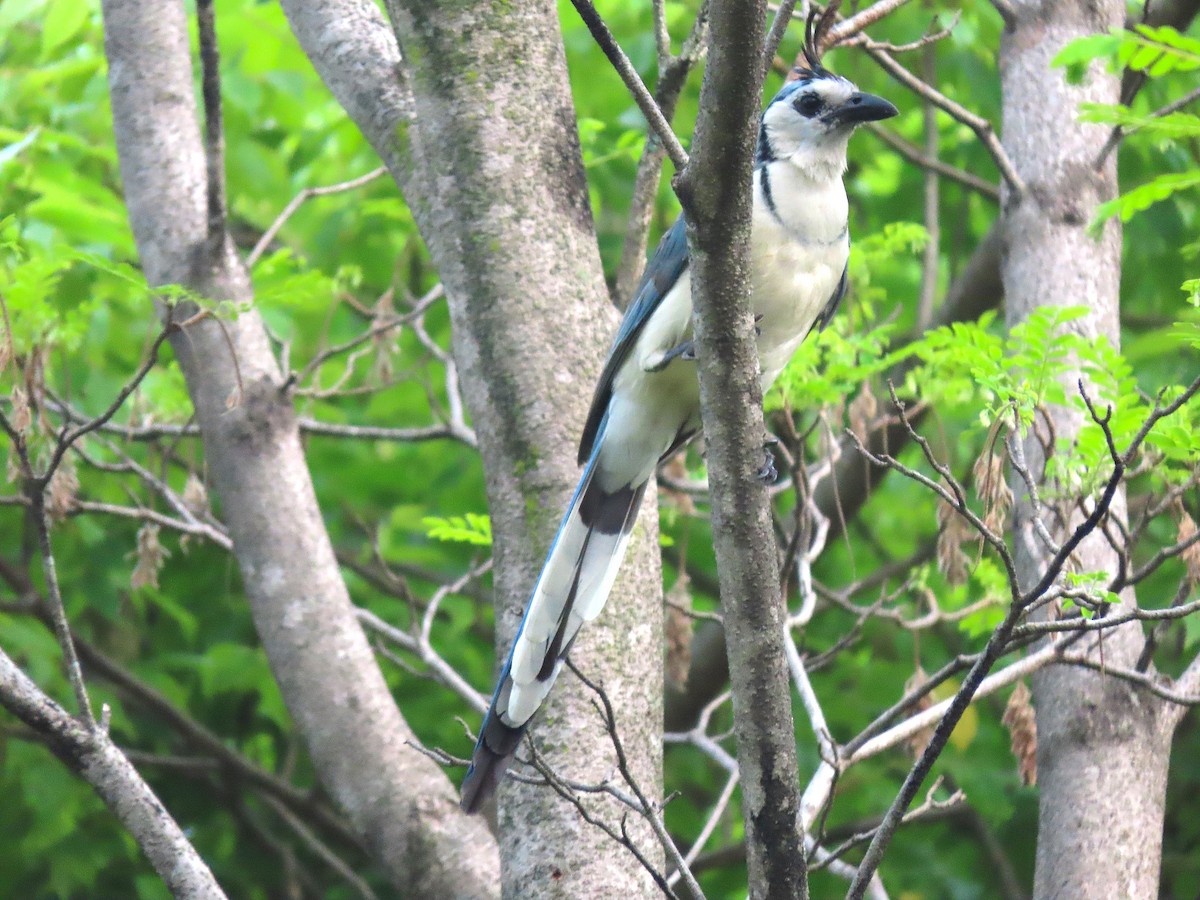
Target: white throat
{"x":821,"y":160}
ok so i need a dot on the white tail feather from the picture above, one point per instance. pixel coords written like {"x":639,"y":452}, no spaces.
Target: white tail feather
{"x":584,"y":560}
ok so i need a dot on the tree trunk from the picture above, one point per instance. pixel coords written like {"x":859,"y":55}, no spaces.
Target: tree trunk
{"x":715,"y":189}
{"x":480,"y":136}
{"x":400,"y":802}
{"x":1103,"y":745}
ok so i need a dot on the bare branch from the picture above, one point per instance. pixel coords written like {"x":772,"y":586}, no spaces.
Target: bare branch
{"x":633,"y":81}
{"x":1119,"y":133}
{"x":55,"y":608}
{"x":420,"y":644}
{"x":672,"y":76}
{"x":779,"y":26}
{"x":710,"y":825}
{"x":320,"y":848}
{"x":1151,"y":683}
{"x":296,"y":202}
{"x":929,"y":264}
{"x":915,"y":154}
{"x":202,"y":738}
{"x":982,"y":127}
{"x":89,"y":752}
{"x":848,"y":28}
{"x":652,"y":812}
{"x":1007,"y":12}
{"x":122,"y":395}
{"x":377,"y":329}
{"x":141,"y":514}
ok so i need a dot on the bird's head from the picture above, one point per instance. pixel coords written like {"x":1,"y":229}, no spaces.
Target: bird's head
{"x":812,"y":117}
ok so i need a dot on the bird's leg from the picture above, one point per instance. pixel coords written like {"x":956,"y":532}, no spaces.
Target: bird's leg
{"x":684,"y":351}
{"x":768,"y":474}
{"x":758,"y":334}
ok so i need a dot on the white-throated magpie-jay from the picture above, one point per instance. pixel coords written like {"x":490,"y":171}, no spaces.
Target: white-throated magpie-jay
{"x":647,"y":403}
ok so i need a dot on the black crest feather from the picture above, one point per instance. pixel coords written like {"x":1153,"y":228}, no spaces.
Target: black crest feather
{"x":815,"y":31}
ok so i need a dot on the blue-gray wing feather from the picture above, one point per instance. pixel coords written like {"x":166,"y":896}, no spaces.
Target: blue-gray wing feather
{"x":664,"y":269}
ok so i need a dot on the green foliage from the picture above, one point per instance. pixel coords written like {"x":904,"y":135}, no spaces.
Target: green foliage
{"x":75,"y":295}
{"x":1157,"y":51}
{"x":1146,"y":195}
{"x":473,"y":528}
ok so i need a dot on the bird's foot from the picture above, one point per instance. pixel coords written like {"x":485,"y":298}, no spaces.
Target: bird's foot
{"x":767,"y":473}
{"x":758,"y":333}
{"x":685,"y":351}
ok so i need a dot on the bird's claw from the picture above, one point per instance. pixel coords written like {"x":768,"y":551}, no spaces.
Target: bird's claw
{"x":767,"y":473}
{"x":685,"y":351}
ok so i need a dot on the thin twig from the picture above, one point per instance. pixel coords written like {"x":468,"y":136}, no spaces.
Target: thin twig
{"x":672,"y":76}
{"x":377,"y":329}
{"x":56,"y":609}
{"x":130,"y":386}
{"x":296,"y":202}
{"x":1004,"y":631}
{"x":199,"y":736}
{"x":981,"y":126}
{"x":1119,"y":133}
{"x":652,"y":812}
{"x":1151,"y":683}
{"x":420,"y":644}
{"x":848,"y":28}
{"x":915,"y":155}
{"x":320,"y":848}
{"x":710,"y":825}
{"x":779,"y":26}
{"x":929,"y":264}
{"x":633,"y":82}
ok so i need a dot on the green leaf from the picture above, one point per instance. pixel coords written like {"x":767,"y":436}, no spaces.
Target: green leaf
{"x":63,"y":21}
{"x":12,"y":151}
{"x":473,"y":528}
{"x":1144,"y":196}
{"x":1079,"y":53}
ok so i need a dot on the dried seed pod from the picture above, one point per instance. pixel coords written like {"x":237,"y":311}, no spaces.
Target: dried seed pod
{"x":1021,"y":722}
{"x":952,"y":531}
{"x":1191,"y":556}
{"x":62,"y":490}
{"x":195,"y":495}
{"x":150,"y":555}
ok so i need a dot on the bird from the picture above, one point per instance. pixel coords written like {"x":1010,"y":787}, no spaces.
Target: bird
{"x":646,"y":405}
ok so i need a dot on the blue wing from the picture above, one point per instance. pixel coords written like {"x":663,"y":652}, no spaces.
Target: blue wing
{"x":663,"y":270}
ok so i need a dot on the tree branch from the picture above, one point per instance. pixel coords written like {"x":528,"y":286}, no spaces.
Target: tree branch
{"x":654,"y":116}
{"x":91,"y":754}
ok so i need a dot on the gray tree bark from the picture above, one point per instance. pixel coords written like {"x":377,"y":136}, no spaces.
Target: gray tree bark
{"x":715,"y":190}
{"x":400,"y":802}
{"x":470,"y":108}
{"x":1103,"y":744}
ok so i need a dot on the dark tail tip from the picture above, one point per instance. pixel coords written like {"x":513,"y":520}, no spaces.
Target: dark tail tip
{"x":493,"y":752}
{"x":483,"y":777}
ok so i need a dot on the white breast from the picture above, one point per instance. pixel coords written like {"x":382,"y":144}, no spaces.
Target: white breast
{"x":798,"y":253}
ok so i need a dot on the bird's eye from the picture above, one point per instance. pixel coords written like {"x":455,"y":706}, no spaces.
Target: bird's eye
{"x":809,"y":105}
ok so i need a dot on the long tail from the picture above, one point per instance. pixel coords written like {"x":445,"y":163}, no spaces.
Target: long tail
{"x":572,"y":589}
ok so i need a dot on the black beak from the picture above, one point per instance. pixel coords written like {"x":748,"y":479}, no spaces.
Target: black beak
{"x":864,"y":108}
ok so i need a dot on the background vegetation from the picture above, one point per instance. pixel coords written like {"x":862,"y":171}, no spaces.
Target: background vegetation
{"x":165,"y":608}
